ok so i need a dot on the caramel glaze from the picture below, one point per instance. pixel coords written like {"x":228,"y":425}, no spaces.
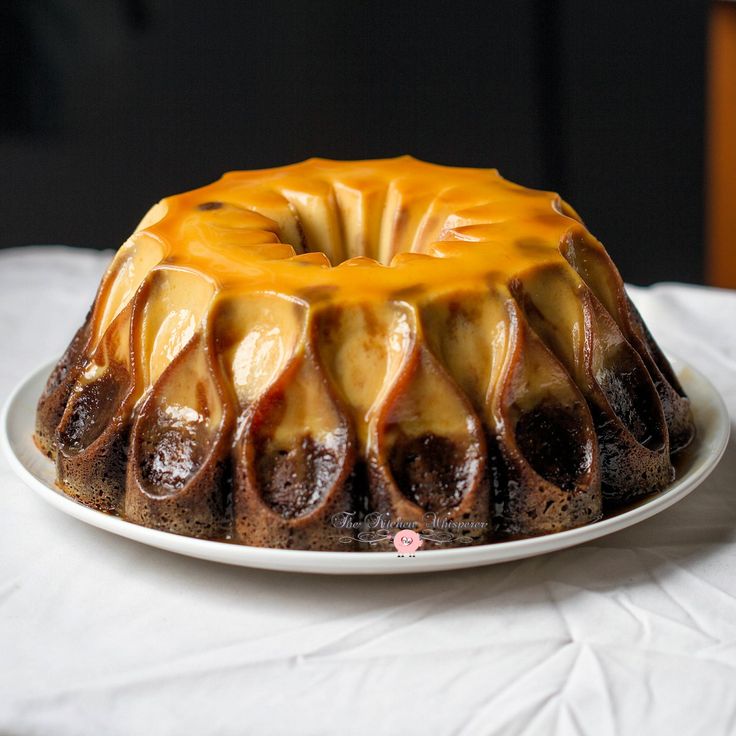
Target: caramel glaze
{"x":287,"y":344}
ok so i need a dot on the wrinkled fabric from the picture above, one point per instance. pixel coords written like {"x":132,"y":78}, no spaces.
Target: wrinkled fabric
{"x":634,"y":633}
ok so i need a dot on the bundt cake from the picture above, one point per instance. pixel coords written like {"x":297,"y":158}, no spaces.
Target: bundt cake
{"x":292,"y":352}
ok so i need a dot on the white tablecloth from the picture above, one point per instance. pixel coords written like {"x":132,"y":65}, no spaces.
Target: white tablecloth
{"x":632,"y":634}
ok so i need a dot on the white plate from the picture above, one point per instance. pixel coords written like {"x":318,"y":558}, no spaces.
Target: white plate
{"x":37,"y":471}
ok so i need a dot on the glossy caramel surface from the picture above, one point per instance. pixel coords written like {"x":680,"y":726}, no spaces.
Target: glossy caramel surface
{"x":354,"y":230}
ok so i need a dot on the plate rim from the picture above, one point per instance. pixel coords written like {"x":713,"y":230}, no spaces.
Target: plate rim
{"x":367,"y":562}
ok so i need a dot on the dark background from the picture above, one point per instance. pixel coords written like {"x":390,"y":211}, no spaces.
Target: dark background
{"x":108,"y":105}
